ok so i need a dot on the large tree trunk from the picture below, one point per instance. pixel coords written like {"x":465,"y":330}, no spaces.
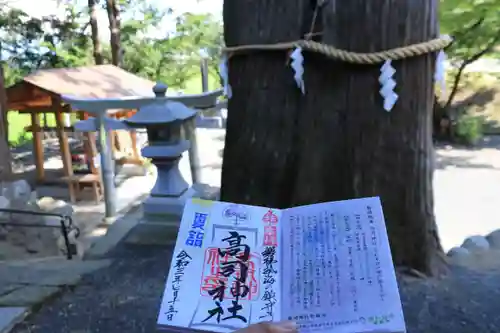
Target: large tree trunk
{"x":95,"y":32}
{"x":114,"y":28}
{"x":336,"y":142}
{"x":5,"y":164}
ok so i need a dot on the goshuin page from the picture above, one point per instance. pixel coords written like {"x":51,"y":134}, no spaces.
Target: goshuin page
{"x":338,"y":271}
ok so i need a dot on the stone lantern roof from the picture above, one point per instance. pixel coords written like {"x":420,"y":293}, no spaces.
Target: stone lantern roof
{"x":163,"y":111}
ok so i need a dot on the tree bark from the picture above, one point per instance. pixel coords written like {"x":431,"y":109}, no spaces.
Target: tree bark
{"x":95,"y":32}
{"x":5,"y":164}
{"x":336,"y":142}
{"x":114,"y":28}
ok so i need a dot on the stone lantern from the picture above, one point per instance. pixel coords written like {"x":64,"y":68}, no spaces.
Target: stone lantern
{"x":163,"y":122}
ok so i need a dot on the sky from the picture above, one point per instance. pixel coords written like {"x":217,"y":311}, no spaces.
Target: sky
{"x":40,"y":8}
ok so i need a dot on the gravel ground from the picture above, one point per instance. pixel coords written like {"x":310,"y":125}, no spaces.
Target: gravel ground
{"x":125,"y":297}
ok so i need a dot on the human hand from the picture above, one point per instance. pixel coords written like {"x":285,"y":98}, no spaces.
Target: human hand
{"x":270,"y":327}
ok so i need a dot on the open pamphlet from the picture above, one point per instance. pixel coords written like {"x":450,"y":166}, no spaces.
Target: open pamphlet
{"x":326,"y":266}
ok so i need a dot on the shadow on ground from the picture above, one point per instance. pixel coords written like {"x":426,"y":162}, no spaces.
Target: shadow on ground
{"x":459,"y":156}
{"x":443,"y":162}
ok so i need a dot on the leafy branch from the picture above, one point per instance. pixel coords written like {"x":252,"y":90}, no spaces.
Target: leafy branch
{"x":472,"y":58}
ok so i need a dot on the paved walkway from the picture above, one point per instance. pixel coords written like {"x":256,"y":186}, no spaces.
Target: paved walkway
{"x":25,"y":285}
{"x":467,"y":191}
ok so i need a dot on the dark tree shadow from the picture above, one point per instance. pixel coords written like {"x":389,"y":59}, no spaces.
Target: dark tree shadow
{"x":479,"y":98}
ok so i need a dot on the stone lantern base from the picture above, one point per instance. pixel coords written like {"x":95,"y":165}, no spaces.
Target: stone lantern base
{"x":157,"y":207}
{"x":162,"y":228}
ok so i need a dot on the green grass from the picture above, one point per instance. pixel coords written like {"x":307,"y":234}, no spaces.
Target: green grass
{"x":193,"y":86}
{"x":18,"y":122}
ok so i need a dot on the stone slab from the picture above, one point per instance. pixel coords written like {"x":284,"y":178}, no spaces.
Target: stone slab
{"x":476,"y":244}
{"x":55,"y":272}
{"x":153,"y":234}
{"x":494,"y":239}
{"x":10,"y":316}
{"x":114,"y":234}
{"x":210,"y":122}
{"x":154,"y":205}
{"x":63,"y":278}
{"x":28,"y":296}
{"x":206,"y":192}
{"x":22,"y":275}
{"x":168,"y":220}
{"x":59,"y":263}
{"x":6,"y":288}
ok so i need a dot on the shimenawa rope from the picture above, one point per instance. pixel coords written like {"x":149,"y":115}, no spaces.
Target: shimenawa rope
{"x":351,"y":57}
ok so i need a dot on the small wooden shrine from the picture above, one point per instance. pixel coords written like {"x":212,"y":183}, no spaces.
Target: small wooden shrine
{"x":40,"y":93}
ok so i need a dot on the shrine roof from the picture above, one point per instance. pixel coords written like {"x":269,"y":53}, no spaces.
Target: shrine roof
{"x":100,"y":81}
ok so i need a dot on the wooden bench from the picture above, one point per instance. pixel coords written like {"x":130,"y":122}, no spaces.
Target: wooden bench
{"x":77,"y":182}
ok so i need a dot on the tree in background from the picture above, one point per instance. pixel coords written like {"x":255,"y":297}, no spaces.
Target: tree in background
{"x":32,"y":43}
{"x":336,"y":141}
{"x":180,"y":52}
{"x":173,"y":58}
{"x":475,"y":26}
{"x":5,"y":164}
{"x":37,"y":43}
{"x":67,"y":40}
{"x":114,"y":29}
{"x":98,"y":58}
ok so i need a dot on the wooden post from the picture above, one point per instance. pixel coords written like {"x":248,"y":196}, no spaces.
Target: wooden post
{"x":38,"y":150}
{"x":88,"y":144}
{"x":114,"y":142}
{"x":135,"y":152}
{"x":64,"y":148}
{"x":90,"y":153}
{"x":133,"y":140}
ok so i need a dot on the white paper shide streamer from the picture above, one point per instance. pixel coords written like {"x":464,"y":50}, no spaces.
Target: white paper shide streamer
{"x":388,"y":85}
{"x":297,"y":65}
{"x":440,"y":73}
{"x":224,"y":73}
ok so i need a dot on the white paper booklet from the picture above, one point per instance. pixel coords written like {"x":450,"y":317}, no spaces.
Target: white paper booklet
{"x":327,"y":266}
